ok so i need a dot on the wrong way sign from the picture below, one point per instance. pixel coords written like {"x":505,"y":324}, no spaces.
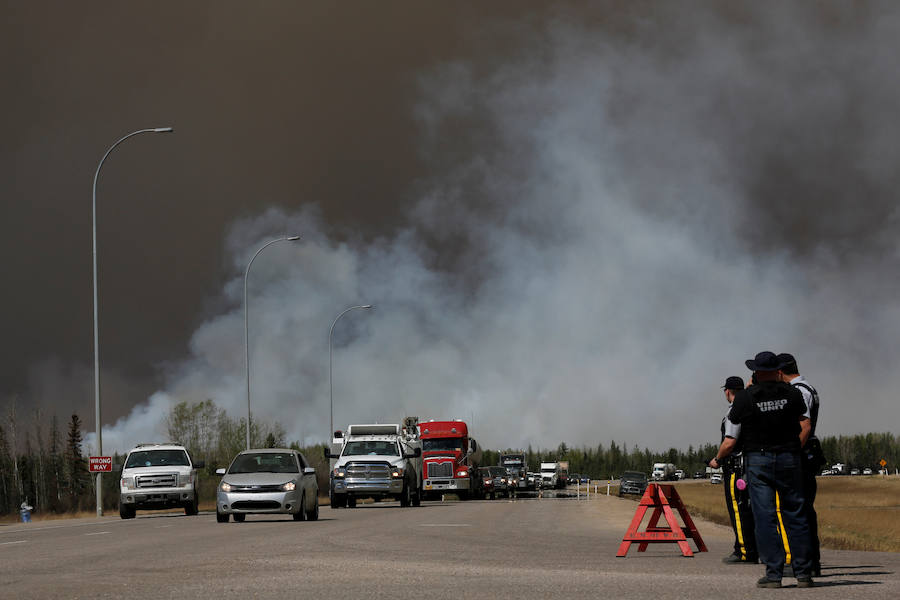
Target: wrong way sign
{"x":100,"y":464}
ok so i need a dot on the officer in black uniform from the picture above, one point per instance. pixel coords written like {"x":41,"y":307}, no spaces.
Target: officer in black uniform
{"x":737,"y":499}
{"x":774,"y":426}
{"x":812,"y":457}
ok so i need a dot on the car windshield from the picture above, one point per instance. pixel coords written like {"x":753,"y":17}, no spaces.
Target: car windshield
{"x":498,"y":471}
{"x":442,"y":445}
{"x":157,"y":458}
{"x":548,"y":470}
{"x":264,"y":462}
{"x":376,"y":448}
{"x":634,"y":475}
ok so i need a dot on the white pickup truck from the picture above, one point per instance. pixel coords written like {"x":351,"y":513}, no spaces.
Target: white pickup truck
{"x":157,"y":476}
{"x":378,"y":461}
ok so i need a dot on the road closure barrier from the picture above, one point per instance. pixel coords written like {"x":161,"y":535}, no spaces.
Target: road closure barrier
{"x":663,"y":499}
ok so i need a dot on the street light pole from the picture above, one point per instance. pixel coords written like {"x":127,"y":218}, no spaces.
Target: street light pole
{"x":330,"y":370}
{"x":292,"y":238}
{"x":96,"y":326}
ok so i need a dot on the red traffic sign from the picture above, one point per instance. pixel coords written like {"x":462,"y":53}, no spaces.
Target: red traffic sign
{"x":100,"y":464}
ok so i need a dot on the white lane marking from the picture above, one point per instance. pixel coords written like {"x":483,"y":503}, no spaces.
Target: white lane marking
{"x":98,"y":533}
{"x":163,"y":526}
{"x":16,"y":542}
{"x":30,"y":530}
{"x":444,"y":525}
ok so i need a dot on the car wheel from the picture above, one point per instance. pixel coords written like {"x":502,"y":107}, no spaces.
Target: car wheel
{"x":337,"y":502}
{"x":239,"y":517}
{"x":313,"y":514}
{"x":405,"y":496}
{"x":300,"y":515}
{"x":351,"y":501}
{"x":192,"y":507}
{"x":126,"y":512}
{"x":222,"y":517}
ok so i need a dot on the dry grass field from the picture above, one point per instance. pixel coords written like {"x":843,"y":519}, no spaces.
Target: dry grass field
{"x":855,"y":513}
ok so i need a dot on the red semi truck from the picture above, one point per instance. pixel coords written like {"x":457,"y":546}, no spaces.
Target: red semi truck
{"x":451,"y":460}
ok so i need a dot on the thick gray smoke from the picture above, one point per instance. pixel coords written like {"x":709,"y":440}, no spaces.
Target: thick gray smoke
{"x":620,"y":219}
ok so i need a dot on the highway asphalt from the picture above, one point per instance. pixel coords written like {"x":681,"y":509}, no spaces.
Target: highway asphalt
{"x":526,"y":548}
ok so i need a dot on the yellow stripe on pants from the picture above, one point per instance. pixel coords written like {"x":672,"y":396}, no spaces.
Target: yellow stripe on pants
{"x":784,"y":538}
{"x":737,"y":518}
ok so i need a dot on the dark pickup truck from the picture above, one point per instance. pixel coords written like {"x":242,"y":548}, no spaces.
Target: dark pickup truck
{"x":632,"y":482}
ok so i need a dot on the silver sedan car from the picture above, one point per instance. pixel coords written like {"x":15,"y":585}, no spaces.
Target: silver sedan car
{"x":267,"y":481}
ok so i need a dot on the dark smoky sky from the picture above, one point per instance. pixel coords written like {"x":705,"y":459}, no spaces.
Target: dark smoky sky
{"x":656,"y":191}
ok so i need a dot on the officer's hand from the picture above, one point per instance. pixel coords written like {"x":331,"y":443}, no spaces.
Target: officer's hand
{"x":714,"y":463}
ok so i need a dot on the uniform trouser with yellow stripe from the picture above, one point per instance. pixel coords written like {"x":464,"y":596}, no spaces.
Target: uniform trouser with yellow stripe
{"x":738,"y":504}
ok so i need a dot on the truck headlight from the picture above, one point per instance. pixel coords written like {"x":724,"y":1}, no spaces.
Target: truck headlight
{"x":462,"y":473}
{"x":339,"y":473}
{"x":225,"y":487}
{"x":397,"y":472}
{"x":186,"y":479}
{"x":290,"y":486}
{"x":128,"y":483}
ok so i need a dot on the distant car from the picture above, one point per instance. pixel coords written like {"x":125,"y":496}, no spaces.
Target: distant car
{"x":268,"y":481}
{"x":715,"y":478}
{"x":632,"y":482}
{"x":854,"y":471}
{"x":867,"y":471}
{"x":487,"y":481}
{"x":501,"y":481}
{"x":699,"y":475}
{"x":679,"y":474}
{"x":827,"y":472}
{"x":585,"y":479}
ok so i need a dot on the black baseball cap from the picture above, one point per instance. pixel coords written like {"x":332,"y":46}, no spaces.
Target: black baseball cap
{"x":764,"y":361}
{"x":788,"y":362}
{"x":734,"y":383}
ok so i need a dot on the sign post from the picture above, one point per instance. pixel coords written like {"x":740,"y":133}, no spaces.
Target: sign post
{"x":883,"y":464}
{"x":100,"y":464}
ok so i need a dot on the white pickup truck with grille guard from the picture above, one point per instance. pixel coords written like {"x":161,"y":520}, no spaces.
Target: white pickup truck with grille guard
{"x":378,"y":461}
{"x":157,"y":476}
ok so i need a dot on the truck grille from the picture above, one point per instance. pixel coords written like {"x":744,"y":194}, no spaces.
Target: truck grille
{"x":368,"y":471}
{"x":160,"y":480}
{"x":444,"y":469}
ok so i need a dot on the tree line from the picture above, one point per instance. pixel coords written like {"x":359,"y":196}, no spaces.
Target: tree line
{"x":46,"y":468}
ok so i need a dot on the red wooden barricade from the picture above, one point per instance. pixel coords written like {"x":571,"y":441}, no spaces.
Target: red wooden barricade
{"x":663,"y":498}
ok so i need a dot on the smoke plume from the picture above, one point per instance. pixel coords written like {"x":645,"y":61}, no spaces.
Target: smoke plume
{"x":618,"y":217}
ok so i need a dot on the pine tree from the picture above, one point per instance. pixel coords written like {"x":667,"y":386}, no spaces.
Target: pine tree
{"x":76,"y":465}
{"x":6,"y":484}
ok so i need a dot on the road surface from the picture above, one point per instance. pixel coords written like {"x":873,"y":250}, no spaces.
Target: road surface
{"x":527,"y":548}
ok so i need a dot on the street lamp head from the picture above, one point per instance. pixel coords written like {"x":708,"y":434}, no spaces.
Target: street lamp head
{"x":293,"y":238}
{"x":163,"y":130}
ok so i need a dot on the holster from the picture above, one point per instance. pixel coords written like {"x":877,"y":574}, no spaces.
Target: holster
{"x":813,"y":457}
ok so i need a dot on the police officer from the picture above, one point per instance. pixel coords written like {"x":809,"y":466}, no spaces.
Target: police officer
{"x":774,"y":426}
{"x":812,"y":457}
{"x":737,"y":499}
